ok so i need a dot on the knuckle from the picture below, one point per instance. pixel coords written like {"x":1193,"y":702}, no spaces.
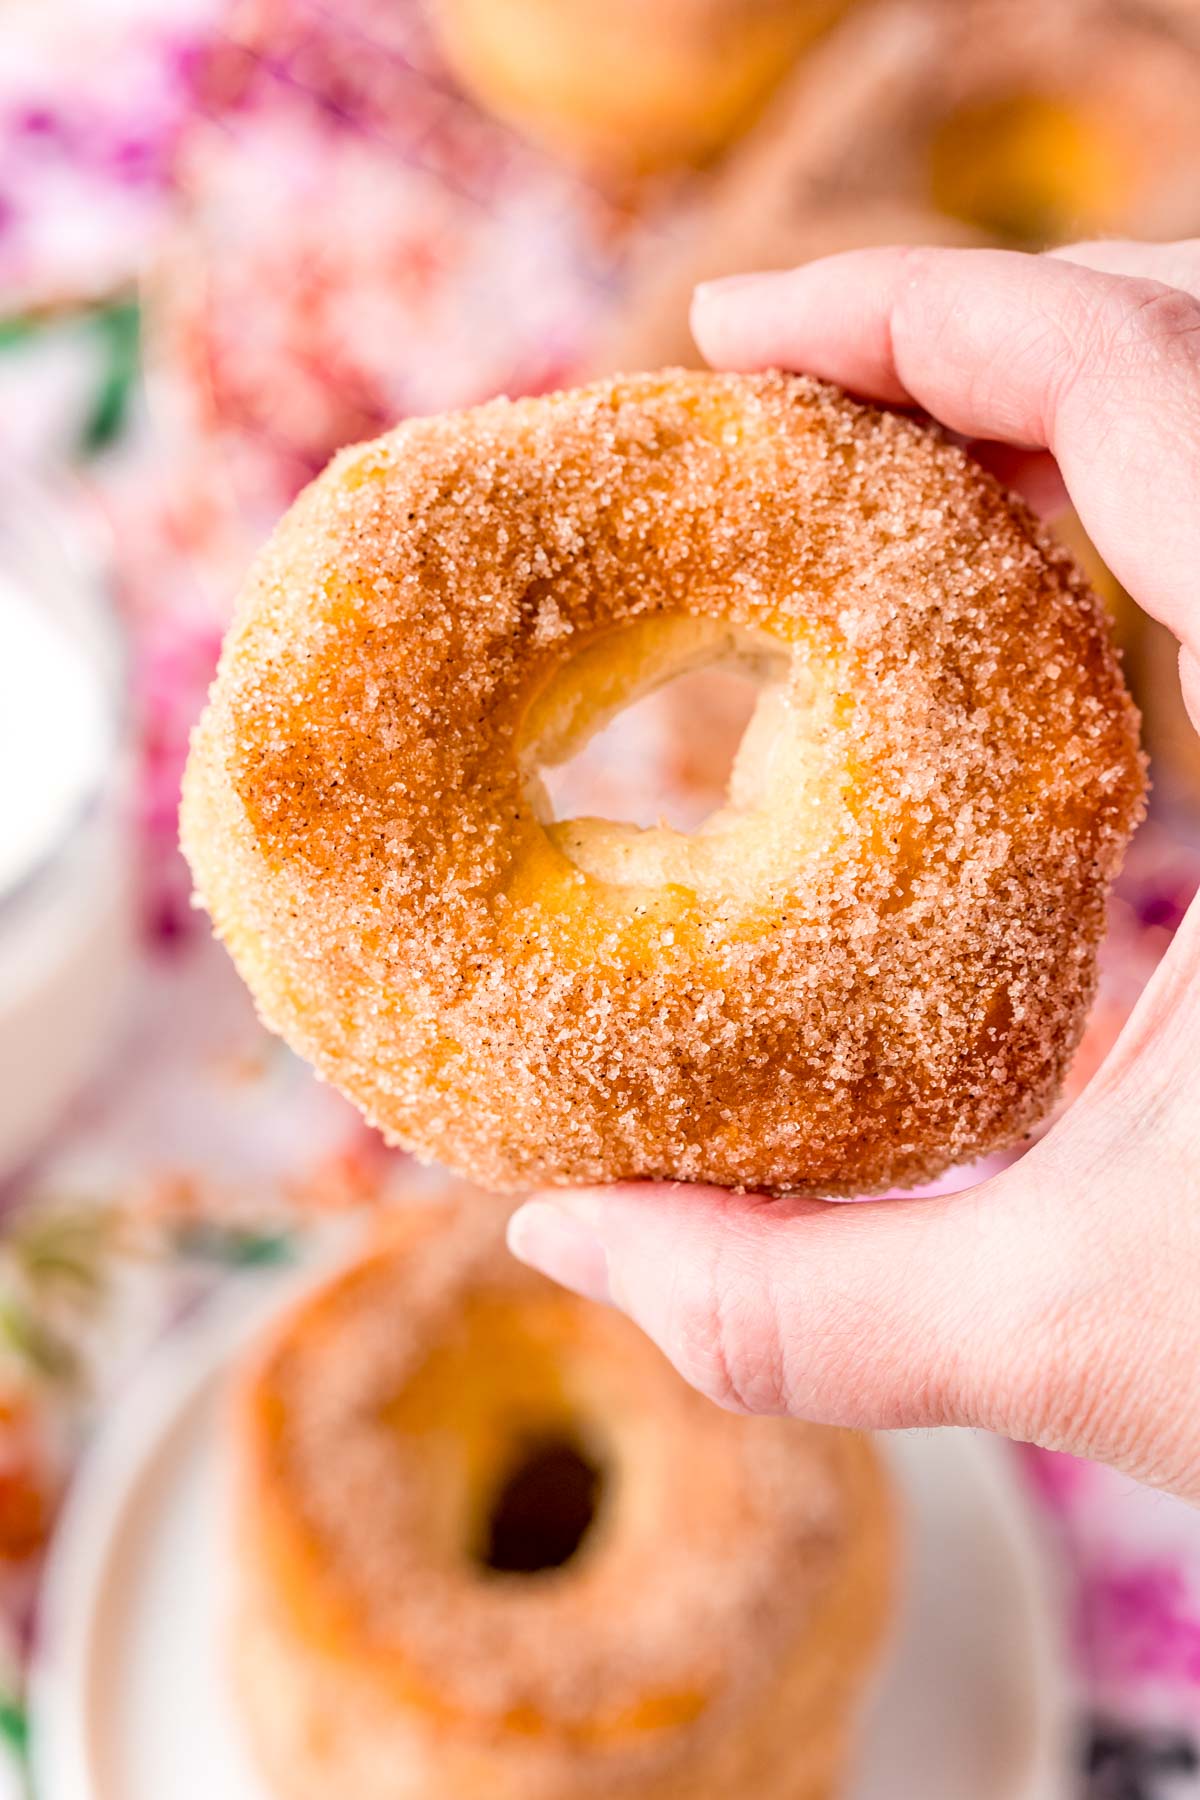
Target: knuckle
{"x":1123,"y":329}
{"x":724,"y":1337}
{"x":1147,"y":318}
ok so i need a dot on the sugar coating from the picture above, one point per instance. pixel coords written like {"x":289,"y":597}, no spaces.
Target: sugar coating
{"x":901,"y":981}
{"x":718,"y":1617}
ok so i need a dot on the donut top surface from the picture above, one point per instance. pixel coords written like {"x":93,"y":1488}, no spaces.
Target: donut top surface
{"x":873,"y":961}
{"x":380,"y":1429}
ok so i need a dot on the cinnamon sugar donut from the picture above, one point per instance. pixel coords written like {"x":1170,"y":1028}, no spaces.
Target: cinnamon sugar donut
{"x":489,"y":1543}
{"x":873,"y":961}
{"x":623,"y":87}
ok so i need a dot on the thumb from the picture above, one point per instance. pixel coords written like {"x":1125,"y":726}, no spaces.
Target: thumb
{"x":1054,"y":1304}
{"x":871,"y":1314}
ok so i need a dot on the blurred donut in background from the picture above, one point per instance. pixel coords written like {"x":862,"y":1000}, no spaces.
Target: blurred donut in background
{"x":1090,"y":127}
{"x":1030,"y":123}
{"x":489,"y":1543}
{"x":622,"y":87}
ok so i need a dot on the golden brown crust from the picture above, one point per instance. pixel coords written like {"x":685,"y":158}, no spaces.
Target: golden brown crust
{"x":877,"y":969}
{"x":709,"y":1637}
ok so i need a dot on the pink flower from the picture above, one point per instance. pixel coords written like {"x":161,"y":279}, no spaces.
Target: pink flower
{"x":1140,"y":1623}
{"x":1057,"y":1480}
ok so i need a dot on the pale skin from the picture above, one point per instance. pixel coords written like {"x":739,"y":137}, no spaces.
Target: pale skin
{"x":1059,"y":1302}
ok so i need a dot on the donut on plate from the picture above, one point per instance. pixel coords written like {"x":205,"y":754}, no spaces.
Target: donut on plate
{"x":489,"y":1543}
{"x":873,"y":961}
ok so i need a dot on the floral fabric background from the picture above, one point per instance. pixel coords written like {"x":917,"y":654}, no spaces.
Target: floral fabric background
{"x":232,"y":238}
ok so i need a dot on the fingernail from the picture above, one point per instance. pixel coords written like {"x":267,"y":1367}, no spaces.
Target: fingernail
{"x":705,"y":291}
{"x":560,"y":1246}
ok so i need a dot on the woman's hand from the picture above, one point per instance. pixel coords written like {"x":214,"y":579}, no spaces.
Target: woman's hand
{"x":1059,"y":1302}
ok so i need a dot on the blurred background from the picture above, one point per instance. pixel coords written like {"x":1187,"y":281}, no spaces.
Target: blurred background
{"x":234,"y":236}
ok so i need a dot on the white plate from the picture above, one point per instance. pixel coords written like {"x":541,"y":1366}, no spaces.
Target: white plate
{"x":128,"y":1695}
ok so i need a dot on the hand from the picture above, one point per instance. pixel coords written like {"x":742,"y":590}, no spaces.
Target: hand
{"x":1058,"y":1303}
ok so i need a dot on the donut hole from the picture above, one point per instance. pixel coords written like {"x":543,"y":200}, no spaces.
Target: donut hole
{"x":666,"y":759}
{"x":764,"y":713}
{"x":542,"y":1509}
{"x":787,"y":773}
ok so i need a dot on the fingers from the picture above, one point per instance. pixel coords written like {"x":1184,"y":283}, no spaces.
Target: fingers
{"x":827,"y":1311}
{"x":872,"y":1315}
{"x":1175,"y":265}
{"x":1147,"y":1090}
{"x":1006,"y":1308}
{"x":1101,"y":369}
{"x":1055,"y":1303}
{"x":976,"y":337}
